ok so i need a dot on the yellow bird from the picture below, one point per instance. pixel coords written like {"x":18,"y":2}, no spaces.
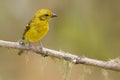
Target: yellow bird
{"x":38,"y":27}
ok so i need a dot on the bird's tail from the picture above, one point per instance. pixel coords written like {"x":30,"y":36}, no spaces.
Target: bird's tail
{"x":20,"y":52}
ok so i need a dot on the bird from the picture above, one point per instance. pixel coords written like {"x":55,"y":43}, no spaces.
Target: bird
{"x":37,"y":28}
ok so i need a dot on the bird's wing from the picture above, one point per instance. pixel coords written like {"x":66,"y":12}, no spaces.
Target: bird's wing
{"x":27,"y":27}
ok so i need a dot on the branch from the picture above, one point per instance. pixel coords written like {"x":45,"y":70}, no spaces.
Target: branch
{"x":111,"y":65}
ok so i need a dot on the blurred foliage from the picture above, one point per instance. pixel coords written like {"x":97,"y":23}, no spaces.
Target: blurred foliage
{"x":84,"y":27}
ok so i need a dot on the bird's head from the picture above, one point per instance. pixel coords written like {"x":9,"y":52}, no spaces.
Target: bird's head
{"x":45,"y":14}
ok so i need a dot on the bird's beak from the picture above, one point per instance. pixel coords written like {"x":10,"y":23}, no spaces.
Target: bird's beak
{"x":54,"y":15}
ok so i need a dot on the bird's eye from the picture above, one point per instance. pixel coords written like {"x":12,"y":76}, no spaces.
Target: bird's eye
{"x":46,"y":15}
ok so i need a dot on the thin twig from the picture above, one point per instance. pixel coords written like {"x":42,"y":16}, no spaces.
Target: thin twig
{"x":111,"y":65}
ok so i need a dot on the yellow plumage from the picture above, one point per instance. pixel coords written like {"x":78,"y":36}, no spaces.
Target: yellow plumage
{"x":38,"y":26}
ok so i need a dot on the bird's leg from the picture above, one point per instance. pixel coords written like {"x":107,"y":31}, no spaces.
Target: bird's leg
{"x":41,"y":48}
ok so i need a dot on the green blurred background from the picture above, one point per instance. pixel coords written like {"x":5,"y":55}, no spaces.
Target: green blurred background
{"x":88,"y":28}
